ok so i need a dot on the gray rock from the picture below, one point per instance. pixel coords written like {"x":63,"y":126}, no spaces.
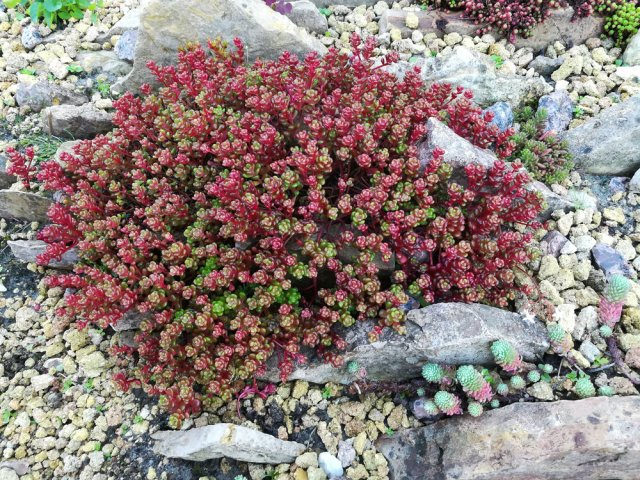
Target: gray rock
{"x":28,"y":251}
{"x":610,"y":261}
{"x":458,"y":151}
{"x":7,"y":473}
{"x":541,"y":390}
{"x":71,"y":121}
{"x":166,"y":25}
{"x":24,"y":206}
{"x":330,"y":465}
{"x":103,"y":61}
{"x":607,"y":144}
{"x":545,"y":66}
{"x":553,"y":242}
{"x":6,"y":180}
{"x":31,"y":37}
{"x":631,"y":55}
{"x":559,"y":108}
{"x":590,"y":439}
{"x":65,"y":147}
{"x":503,"y":115}
{"x":225,"y":440}
{"x":452,"y":333}
{"x":477,"y":72}
{"x":18,"y":466}
{"x":306,"y":15}
{"x":126,"y":46}
{"x":130,"y":321}
{"x":42,"y":94}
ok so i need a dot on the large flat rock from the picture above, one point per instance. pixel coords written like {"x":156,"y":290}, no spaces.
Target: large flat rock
{"x":451,"y":333}
{"x":226,"y":440}
{"x":609,"y":143}
{"x":591,"y":439}
{"x":167,"y":25}
{"x":24,"y":206}
{"x":28,"y":251}
{"x":69,"y":121}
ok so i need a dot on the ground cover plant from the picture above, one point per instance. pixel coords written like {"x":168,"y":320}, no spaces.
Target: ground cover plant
{"x":246,"y":211}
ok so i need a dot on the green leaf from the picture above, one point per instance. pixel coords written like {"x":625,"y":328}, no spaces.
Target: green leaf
{"x":52,"y":5}
{"x":34,"y":10}
{"x":11,"y":3}
{"x":83,"y":4}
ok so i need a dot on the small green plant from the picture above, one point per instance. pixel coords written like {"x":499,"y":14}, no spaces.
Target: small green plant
{"x":44,"y":146}
{"x":573,"y":376}
{"x":326,"y":12}
{"x":498,"y":60}
{"x":73,"y":68}
{"x":28,"y":71}
{"x":97,"y":447}
{"x":271,"y":474}
{"x":623,"y":23}
{"x":6,"y":416}
{"x":577,"y":111}
{"x":138,"y":419}
{"x":389,"y":432}
{"x":67,"y":384}
{"x":103,"y":87}
{"x":124,"y":428}
{"x":543,"y":154}
{"x":53,"y":12}
{"x":88,"y":384}
{"x":584,"y":388}
{"x":600,"y":361}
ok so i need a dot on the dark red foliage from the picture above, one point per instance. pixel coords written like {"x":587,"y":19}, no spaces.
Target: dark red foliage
{"x":248,"y":210}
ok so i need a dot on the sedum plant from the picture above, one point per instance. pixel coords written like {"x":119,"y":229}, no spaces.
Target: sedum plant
{"x":53,"y":12}
{"x":542,"y":153}
{"x":249,"y":211}
{"x":506,"y":356}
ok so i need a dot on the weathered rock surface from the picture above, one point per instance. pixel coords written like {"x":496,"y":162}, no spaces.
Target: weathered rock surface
{"x":631,"y":55}
{"x":452,"y":333}
{"x":39,"y":95}
{"x":28,"y":250}
{"x":561,"y":25}
{"x":167,"y":25}
{"x":634,"y":184}
{"x":610,"y":261}
{"x":226,"y":440}
{"x":458,"y":151}
{"x":476,"y":71}
{"x":70,"y":121}
{"x":346,"y":3}
{"x":23,"y":206}
{"x":126,"y":46}
{"x":559,"y":108}
{"x":607,"y":144}
{"x":306,"y":15}
{"x":591,"y":439}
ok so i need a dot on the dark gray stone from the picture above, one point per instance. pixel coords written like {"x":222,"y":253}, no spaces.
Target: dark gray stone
{"x":42,"y":94}
{"x":610,"y":261}
{"x":306,"y":15}
{"x":545,"y":66}
{"x":70,"y":121}
{"x":591,"y":439}
{"x":126,"y":46}
{"x":24,"y":206}
{"x":607,"y":144}
{"x":451,"y":333}
{"x":503,"y":115}
{"x":28,"y":251}
{"x":618,"y":184}
{"x":559,"y":108}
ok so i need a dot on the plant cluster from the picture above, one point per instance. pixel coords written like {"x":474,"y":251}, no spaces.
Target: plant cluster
{"x":249,"y":210}
{"x":545,"y":156}
{"x":53,"y":12}
{"x":623,"y":22}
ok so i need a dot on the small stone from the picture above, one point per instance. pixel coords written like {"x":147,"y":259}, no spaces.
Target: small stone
{"x":623,"y":386}
{"x":589,"y":350}
{"x":31,"y":37}
{"x":565,"y":315}
{"x":609,"y":260}
{"x":306,"y":460}
{"x":628,"y":341}
{"x":452,"y":38}
{"x":553,"y":242}
{"x":42,"y":382}
{"x":541,"y":391}
{"x":502,"y":115}
{"x":330,"y":465}
{"x":25,"y":318}
{"x":614,"y":214}
{"x":300,"y":389}
{"x":315,"y":473}
{"x":360,"y":442}
{"x":632,"y":358}
{"x":358,"y":472}
{"x":347,"y":452}
{"x":93,"y":364}
{"x":412,"y":21}
{"x":559,"y":108}
{"x":549,"y":267}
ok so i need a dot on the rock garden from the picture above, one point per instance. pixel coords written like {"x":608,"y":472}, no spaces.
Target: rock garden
{"x":319,"y":239}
